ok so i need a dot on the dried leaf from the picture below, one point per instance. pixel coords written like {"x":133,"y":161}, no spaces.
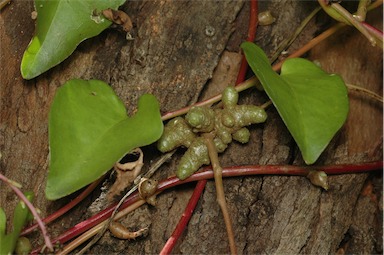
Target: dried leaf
{"x":126,"y":174}
{"x":118,"y":230}
{"x":119,"y":17}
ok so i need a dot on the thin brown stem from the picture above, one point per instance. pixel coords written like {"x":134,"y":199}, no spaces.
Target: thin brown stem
{"x":356,"y":23}
{"x":312,"y":43}
{"x":266,"y":104}
{"x":287,"y":42}
{"x":318,"y":39}
{"x":96,"y":229}
{"x":367,"y":92}
{"x":218,"y":176}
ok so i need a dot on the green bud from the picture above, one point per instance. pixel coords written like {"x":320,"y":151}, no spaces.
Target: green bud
{"x":201,"y":118}
{"x":23,"y":246}
{"x":230,"y":97}
{"x":242,"y":135}
{"x":220,"y":146}
{"x":318,"y":178}
{"x":228,"y":120}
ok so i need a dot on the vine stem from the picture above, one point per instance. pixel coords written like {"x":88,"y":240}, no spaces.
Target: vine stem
{"x":65,"y":208}
{"x":206,"y":173}
{"x":241,"y":87}
{"x":171,"y":242}
{"x":288,"y":41}
{"x":327,"y":33}
{"x":220,"y":196}
{"x":30,"y":206}
{"x":377,"y":33}
{"x":356,"y":23}
{"x":93,"y":231}
{"x":252,"y":26}
{"x":367,"y":92}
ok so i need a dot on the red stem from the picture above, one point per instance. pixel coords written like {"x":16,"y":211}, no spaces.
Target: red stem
{"x":65,"y":208}
{"x":253,"y":21}
{"x":31,"y":208}
{"x":170,"y":244}
{"x":377,"y":32}
{"x":206,"y":173}
{"x":233,"y":171}
{"x":94,"y":220}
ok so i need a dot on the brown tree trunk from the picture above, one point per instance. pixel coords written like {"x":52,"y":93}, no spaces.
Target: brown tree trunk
{"x":176,"y":48}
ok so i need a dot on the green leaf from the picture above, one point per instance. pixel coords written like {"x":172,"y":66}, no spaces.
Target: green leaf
{"x":89,"y":131}
{"x":61,"y":26}
{"x":313,"y":104}
{"x":20,"y":216}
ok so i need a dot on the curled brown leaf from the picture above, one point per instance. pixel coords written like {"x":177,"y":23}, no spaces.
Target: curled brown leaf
{"x":126,"y":174}
{"x":119,"y":17}
{"x":121,"y":232}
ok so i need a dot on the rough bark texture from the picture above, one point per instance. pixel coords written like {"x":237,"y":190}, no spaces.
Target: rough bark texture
{"x":176,"y":49}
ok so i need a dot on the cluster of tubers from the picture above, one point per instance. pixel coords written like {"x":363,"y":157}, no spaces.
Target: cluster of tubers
{"x":226,"y":124}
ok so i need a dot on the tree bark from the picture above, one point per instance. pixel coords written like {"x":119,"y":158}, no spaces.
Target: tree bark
{"x":176,"y":49}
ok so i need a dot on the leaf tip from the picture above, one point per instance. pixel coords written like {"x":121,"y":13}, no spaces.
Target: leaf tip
{"x":27,"y":67}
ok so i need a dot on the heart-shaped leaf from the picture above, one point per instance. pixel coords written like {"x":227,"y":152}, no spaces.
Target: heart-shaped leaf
{"x":313,"y":104}
{"x":61,"y":26}
{"x":89,"y":131}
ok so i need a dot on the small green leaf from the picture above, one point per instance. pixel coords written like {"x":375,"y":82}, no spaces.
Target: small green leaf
{"x":89,"y":131}
{"x":61,"y":26}
{"x":313,"y":104}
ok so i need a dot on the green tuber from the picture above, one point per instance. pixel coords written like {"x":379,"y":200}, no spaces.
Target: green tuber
{"x":176,"y":133}
{"x":227,"y":124}
{"x":194,"y":157}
